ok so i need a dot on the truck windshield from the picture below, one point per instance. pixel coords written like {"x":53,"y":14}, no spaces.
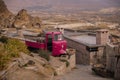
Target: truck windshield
{"x":58,"y":37}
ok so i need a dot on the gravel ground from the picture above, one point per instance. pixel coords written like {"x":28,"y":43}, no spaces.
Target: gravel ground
{"x":81,"y":73}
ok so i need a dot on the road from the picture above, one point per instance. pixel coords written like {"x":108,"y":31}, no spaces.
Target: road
{"x":81,"y":73}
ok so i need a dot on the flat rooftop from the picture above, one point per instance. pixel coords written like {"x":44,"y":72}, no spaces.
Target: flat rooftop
{"x":88,"y":39}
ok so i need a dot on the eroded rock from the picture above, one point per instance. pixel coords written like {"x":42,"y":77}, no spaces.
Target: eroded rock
{"x":29,"y":68}
{"x":6,"y":17}
{"x":24,"y":20}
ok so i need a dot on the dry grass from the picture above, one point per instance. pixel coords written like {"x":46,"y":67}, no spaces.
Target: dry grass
{"x":9,"y":49}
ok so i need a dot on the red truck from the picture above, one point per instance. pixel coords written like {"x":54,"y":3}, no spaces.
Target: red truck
{"x":53,"y":41}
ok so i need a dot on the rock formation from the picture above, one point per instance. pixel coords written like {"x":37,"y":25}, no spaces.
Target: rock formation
{"x":28,"y":67}
{"x":2,"y":6}
{"x":21,"y":20}
{"x":24,"y":20}
{"x":5,"y":15}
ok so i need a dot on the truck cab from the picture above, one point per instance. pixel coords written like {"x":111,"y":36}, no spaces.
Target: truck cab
{"x":55,"y":43}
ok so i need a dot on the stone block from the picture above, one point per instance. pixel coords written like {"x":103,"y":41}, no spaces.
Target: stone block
{"x":117,"y":70}
{"x":72,"y":61}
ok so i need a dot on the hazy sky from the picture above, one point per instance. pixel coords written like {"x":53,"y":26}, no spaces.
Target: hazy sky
{"x":55,"y":4}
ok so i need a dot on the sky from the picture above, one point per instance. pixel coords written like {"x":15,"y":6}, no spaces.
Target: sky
{"x":61,"y":4}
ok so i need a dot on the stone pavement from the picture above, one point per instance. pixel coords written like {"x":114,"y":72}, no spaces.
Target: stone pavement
{"x":81,"y":73}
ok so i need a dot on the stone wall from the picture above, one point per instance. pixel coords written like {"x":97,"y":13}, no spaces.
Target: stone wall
{"x":117,"y":70}
{"x":82,"y":55}
{"x":98,"y":57}
{"x":113,"y":60}
{"x":111,"y":52}
{"x":63,"y":64}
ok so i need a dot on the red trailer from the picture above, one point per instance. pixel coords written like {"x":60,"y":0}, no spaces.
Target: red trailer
{"x":53,"y":41}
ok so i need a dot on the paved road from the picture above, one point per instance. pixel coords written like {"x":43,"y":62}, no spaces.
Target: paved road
{"x":81,"y":73}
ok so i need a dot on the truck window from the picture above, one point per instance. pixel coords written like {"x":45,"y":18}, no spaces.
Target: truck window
{"x":58,"y":37}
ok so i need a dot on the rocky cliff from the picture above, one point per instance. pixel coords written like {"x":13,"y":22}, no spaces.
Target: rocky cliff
{"x":5,"y":15}
{"x":2,"y":6}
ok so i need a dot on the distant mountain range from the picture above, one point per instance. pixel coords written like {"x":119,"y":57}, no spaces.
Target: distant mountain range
{"x":60,"y":5}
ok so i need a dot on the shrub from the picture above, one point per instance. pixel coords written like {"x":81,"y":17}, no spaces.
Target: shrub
{"x":67,"y":63}
{"x":44,"y":54}
{"x":3,"y":57}
{"x":10,"y":49}
{"x":14,"y":47}
{"x":3,"y":39}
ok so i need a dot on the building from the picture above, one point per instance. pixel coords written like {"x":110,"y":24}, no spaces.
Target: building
{"x":88,"y":45}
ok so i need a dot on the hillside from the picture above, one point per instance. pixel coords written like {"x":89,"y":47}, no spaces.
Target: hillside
{"x":60,"y":5}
